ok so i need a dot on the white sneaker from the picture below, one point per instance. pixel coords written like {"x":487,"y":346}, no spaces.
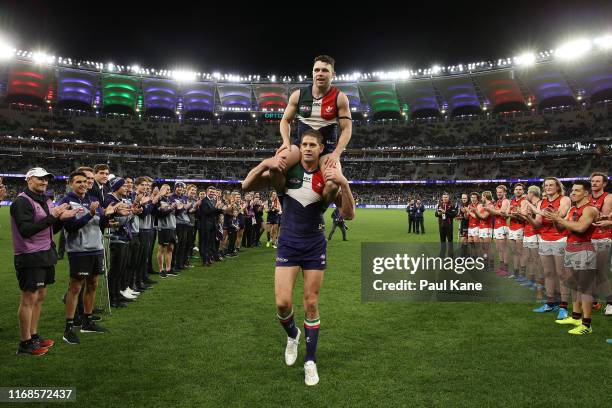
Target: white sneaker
{"x":291,"y":351}
{"x":131,"y":292}
{"x":126,"y":294}
{"x":608,"y":310}
{"x":311,"y":377}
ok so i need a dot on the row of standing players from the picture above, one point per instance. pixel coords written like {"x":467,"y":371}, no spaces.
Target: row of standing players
{"x":135,"y":216}
{"x":560,"y":244}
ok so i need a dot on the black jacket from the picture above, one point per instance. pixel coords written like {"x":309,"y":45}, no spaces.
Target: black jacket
{"x":100,"y":194}
{"x":451,"y":213}
{"x":208,"y":213}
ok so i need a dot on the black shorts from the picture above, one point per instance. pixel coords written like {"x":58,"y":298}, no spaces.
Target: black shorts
{"x":32,"y":279}
{"x":82,"y":267}
{"x":167,"y":237}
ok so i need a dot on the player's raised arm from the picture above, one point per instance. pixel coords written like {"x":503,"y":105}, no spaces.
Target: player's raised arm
{"x":345,"y":123}
{"x":344,"y":199}
{"x":285,"y":123}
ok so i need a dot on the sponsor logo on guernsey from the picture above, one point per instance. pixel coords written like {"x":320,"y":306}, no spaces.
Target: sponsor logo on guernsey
{"x":305,"y":108}
{"x":294,"y":180}
{"x":278,"y":259}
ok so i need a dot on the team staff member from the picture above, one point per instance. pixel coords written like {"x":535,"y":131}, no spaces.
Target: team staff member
{"x":446,"y":212}
{"x":34,"y":220}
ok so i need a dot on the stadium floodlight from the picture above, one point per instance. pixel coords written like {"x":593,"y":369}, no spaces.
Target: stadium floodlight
{"x":42,"y":58}
{"x":436,"y":69}
{"x":573,"y":49}
{"x":6,"y":51}
{"x":184,"y":76}
{"x":604,"y":42}
{"x":526,"y":59}
{"x":110,"y":66}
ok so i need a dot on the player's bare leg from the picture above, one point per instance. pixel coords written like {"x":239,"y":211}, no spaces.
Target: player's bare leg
{"x":330,"y":185}
{"x":284,"y":283}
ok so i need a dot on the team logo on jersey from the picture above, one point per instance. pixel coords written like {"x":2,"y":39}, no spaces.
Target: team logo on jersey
{"x":329,"y":109}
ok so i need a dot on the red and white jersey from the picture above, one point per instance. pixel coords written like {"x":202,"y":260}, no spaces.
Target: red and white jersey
{"x":530,"y":230}
{"x":500,"y":221}
{"x":516,"y":224}
{"x":548,"y":232}
{"x":600,"y":233}
{"x":472,"y":221}
{"x":484,"y":222}
{"x":574,"y":214}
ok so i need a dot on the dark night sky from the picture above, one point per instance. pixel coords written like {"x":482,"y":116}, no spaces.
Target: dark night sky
{"x":247,"y":40}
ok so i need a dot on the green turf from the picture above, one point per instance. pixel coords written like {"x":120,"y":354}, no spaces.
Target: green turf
{"x":210,"y":338}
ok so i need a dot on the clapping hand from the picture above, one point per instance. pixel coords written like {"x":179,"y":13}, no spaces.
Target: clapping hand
{"x":93,"y":207}
{"x":57,"y":211}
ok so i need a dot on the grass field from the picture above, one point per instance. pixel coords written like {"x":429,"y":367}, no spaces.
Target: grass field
{"x":210,"y":338}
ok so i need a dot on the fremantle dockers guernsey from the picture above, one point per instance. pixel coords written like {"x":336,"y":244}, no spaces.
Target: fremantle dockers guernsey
{"x":303,"y":205}
{"x":319,"y":114}
{"x":600,"y":233}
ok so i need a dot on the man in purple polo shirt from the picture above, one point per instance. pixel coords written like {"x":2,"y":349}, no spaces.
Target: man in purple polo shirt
{"x":34,"y":220}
